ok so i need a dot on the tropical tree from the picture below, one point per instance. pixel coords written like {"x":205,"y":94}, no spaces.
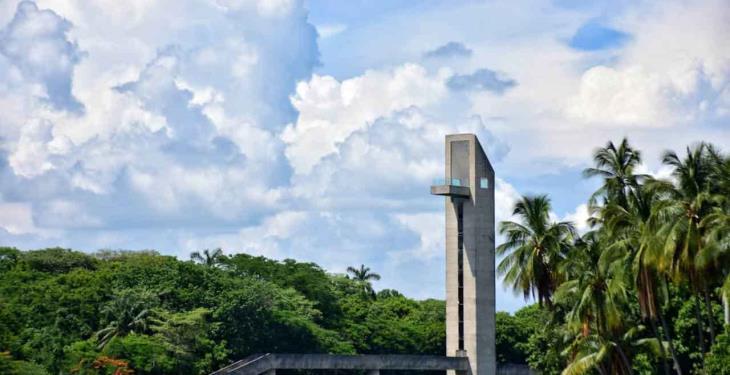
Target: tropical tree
{"x":129,"y":311}
{"x":595,"y":287}
{"x":616,"y":165}
{"x":633,"y":233}
{"x":533,"y":249}
{"x":690,"y":202}
{"x":716,"y":251}
{"x":210,"y":258}
{"x":598,"y":293}
{"x":608,"y":355}
{"x":363,"y":276}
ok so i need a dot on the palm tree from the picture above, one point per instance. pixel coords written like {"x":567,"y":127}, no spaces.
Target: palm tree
{"x":127,"y":312}
{"x":690,"y":203}
{"x":717,"y":243}
{"x":533,"y":249}
{"x":597,"y":291}
{"x":716,"y":252}
{"x":208,"y":258}
{"x":364,"y":276}
{"x":607,"y":355}
{"x":632,"y":230}
{"x":616,"y":165}
{"x":595,"y":286}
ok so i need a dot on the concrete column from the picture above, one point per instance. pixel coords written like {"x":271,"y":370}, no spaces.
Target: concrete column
{"x":477,"y":294}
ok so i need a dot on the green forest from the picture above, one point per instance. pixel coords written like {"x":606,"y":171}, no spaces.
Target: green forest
{"x":114,"y":312}
{"x":640,"y":292}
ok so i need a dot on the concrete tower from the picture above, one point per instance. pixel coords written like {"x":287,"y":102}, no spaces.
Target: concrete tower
{"x":470,"y":304}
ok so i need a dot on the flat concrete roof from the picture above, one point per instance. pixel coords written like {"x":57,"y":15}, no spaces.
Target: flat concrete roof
{"x":260,"y":363}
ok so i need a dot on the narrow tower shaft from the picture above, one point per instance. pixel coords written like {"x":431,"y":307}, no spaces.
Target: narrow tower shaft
{"x":470,"y":303}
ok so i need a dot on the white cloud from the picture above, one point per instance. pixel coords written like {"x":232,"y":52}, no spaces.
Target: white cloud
{"x":329,"y":110}
{"x":30,"y":157}
{"x":579,"y":217}
{"x":675,"y":71}
{"x":662,"y":172}
{"x":268,"y":8}
{"x":505,"y":198}
{"x":31,"y":41}
{"x":631,"y":96}
{"x":330,"y":30}
{"x":430,"y":229}
{"x":16,"y":218}
{"x":157,"y":131}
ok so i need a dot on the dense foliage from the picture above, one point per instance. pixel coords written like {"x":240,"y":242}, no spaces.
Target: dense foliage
{"x":63,"y":311}
{"x":646,"y":289}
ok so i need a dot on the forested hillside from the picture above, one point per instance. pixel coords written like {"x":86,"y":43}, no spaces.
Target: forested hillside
{"x":63,"y":311}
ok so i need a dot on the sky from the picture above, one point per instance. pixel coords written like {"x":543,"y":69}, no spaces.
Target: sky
{"x":312,"y":129}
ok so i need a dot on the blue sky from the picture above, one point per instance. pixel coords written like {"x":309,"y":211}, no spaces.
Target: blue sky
{"x":312,"y":129}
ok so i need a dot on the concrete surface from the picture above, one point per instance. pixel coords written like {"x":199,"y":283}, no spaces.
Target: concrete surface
{"x":265,"y":363}
{"x":467,"y":161}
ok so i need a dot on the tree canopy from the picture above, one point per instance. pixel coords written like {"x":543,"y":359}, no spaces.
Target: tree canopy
{"x":642,"y":291}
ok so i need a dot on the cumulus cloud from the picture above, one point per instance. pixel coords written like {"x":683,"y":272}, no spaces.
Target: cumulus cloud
{"x":662,"y":172}
{"x":579,"y":217}
{"x":389,"y":164}
{"x":481,"y":80}
{"x":450,"y":49}
{"x":676,"y":71}
{"x":160,"y":136}
{"x":429,"y":227}
{"x":35,"y":42}
{"x":505,"y":198}
{"x":32,"y":150}
{"x":330,"y":110}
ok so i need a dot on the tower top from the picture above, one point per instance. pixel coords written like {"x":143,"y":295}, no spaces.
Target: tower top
{"x":467,"y":167}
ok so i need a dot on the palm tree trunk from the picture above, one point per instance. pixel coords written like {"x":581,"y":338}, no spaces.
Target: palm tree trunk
{"x":710,"y":315}
{"x":726,"y":307}
{"x":648,"y":284}
{"x":667,"y":332}
{"x":672,"y":351}
{"x":661,"y":345}
{"x":698,"y":316}
{"x":625,"y":360}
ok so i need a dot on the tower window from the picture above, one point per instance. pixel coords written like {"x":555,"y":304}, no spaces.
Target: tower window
{"x":484,"y":183}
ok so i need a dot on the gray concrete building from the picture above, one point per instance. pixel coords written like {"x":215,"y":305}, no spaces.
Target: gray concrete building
{"x":469,"y":207}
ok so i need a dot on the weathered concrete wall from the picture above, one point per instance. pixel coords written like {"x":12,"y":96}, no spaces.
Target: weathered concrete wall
{"x":478,"y":259}
{"x":259,"y":364}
